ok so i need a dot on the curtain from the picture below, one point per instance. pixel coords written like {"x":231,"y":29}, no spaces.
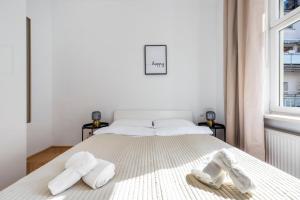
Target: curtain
{"x":244,"y":53}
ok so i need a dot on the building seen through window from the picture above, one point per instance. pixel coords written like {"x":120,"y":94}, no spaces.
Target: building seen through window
{"x":291,"y":65}
{"x":290,"y":5}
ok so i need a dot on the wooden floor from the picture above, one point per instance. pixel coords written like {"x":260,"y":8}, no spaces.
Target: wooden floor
{"x":39,"y":159}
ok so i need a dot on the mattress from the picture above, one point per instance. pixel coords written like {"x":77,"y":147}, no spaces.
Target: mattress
{"x":156,"y":167}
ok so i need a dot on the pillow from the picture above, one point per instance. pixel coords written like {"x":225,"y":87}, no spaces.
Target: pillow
{"x":162,"y":123}
{"x":133,"y":122}
{"x":126,"y":130}
{"x":189,"y":130}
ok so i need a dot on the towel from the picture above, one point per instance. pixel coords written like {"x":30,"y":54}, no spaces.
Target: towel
{"x":211,"y":175}
{"x":82,"y":162}
{"x":63,"y":181}
{"x":100,"y":175}
{"x":226,"y":160}
{"x":78,"y":165}
{"x":241,"y":180}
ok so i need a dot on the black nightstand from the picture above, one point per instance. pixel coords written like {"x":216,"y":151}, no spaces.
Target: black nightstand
{"x":90,"y":126}
{"x":214,"y":128}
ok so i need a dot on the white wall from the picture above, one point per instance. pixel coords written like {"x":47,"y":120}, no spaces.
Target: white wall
{"x":98,"y":59}
{"x":39,"y":131}
{"x":13,"y":91}
{"x":290,"y":127}
{"x":220,"y":62}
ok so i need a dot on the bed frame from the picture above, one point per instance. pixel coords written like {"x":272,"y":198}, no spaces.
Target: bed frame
{"x":153,"y":114}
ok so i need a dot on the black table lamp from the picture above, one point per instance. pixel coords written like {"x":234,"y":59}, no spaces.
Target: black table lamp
{"x":96,"y":117}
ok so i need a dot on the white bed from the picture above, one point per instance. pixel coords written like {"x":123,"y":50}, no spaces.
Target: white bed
{"x":155,"y":167}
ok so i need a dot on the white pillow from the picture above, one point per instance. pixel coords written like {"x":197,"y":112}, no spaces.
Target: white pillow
{"x":168,"y":123}
{"x":126,"y":130}
{"x":189,"y":130}
{"x":133,"y":122}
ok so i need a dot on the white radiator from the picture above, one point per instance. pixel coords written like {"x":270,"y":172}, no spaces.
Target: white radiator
{"x":283,"y":151}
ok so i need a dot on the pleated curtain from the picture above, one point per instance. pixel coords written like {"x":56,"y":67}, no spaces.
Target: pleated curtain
{"x":244,"y":53}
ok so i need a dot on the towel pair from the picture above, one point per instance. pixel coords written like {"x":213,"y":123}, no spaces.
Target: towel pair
{"x":94,"y":172}
{"x":223,"y":162}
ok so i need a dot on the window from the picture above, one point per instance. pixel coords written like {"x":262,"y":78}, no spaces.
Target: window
{"x":284,"y":38}
{"x":290,"y":43}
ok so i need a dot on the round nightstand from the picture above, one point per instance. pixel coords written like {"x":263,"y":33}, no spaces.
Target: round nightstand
{"x":91,"y":127}
{"x":215,"y":127}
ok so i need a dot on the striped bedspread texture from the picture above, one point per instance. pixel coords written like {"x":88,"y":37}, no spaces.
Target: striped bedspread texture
{"x":155,"y":167}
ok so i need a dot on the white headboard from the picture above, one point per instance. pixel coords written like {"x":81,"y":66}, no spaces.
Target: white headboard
{"x":153,"y":114}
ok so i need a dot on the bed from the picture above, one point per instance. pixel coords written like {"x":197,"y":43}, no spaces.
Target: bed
{"x":155,"y":167}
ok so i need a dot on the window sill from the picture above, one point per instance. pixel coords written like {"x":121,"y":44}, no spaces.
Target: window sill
{"x":282,"y":117}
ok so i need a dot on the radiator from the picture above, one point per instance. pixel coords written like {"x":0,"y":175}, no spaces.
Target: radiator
{"x":283,"y":151}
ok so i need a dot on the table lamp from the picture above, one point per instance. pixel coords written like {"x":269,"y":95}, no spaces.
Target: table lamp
{"x":210,"y":118}
{"x":96,"y":117}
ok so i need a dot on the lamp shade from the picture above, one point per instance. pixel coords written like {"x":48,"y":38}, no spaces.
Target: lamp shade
{"x":210,"y":115}
{"x":96,"y":115}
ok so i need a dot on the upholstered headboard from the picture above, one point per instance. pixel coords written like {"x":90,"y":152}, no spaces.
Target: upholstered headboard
{"x":153,"y":114}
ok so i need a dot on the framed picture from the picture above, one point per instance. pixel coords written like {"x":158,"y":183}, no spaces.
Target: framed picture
{"x":28,"y":68}
{"x":155,"y":59}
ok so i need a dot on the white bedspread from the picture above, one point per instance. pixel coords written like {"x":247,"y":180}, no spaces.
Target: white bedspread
{"x":155,"y":167}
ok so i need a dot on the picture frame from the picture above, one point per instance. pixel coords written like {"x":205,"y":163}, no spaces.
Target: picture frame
{"x":28,"y":70}
{"x":155,"y":57}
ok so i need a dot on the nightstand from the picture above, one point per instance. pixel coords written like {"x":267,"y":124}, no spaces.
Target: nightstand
{"x":90,"y":126}
{"x":215,"y":127}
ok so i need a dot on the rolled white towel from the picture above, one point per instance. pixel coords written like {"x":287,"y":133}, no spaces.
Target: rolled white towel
{"x":82,"y":162}
{"x":211,"y":175}
{"x":241,"y":180}
{"x":225,"y":159}
{"x":78,"y":165}
{"x":63,"y":181}
{"x":100,"y":175}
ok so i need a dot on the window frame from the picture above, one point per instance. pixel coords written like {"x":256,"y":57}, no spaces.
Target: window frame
{"x":277,"y":24}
